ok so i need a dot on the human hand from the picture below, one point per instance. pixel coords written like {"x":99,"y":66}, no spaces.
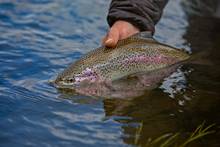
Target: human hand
{"x":120,"y":30}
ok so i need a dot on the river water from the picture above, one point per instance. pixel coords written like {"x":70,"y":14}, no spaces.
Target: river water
{"x":39,"y":38}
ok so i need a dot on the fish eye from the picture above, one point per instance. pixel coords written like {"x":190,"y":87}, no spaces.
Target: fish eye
{"x":70,"y":80}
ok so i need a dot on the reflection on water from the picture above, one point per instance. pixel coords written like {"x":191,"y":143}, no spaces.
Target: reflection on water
{"x":40,"y":38}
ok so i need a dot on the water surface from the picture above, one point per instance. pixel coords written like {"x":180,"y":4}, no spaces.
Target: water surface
{"x":39,"y":38}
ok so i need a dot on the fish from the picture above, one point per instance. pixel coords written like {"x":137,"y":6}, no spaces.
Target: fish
{"x":140,"y":53}
{"x":125,"y":88}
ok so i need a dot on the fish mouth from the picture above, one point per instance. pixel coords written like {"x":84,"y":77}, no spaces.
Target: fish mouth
{"x":74,"y":83}
{"x":60,"y":84}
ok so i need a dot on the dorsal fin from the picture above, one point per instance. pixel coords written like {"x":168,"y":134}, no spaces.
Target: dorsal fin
{"x":139,"y":37}
{"x":143,"y":35}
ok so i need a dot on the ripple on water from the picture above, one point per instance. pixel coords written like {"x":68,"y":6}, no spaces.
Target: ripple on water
{"x":39,"y":38}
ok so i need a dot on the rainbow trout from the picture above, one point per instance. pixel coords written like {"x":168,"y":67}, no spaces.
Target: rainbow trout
{"x":139,"y":53}
{"x":130,"y":87}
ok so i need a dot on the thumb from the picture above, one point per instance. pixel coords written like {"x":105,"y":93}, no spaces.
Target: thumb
{"x":112,"y":38}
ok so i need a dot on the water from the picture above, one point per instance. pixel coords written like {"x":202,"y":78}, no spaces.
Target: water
{"x":39,"y":38}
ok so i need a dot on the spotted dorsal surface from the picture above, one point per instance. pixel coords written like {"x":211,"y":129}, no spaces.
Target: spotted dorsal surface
{"x":138,"y":53}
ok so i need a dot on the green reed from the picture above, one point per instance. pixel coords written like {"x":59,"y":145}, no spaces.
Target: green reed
{"x":172,"y":140}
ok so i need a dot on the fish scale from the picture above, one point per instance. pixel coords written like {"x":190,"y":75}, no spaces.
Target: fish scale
{"x":138,"y":53}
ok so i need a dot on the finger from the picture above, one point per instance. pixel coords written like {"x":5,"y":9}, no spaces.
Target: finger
{"x":112,"y":37}
{"x":103,"y":40}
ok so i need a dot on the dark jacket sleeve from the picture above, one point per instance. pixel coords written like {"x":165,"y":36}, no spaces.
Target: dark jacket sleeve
{"x":143,"y":14}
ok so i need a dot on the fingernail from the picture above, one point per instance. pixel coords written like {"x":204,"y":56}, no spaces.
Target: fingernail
{"x":109,"y":41}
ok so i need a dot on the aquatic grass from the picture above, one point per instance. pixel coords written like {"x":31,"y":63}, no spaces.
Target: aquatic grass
{"x":174,"y":140}
{"x":198,"y":133}
{"x":138,"y":133}
{"x":157,"y":140}
{"x":165,"y":140}
{"x":171,"y":140}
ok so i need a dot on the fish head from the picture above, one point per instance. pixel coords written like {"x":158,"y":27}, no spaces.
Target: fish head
{"x":64,"y":82}
{"x":69,"y":80}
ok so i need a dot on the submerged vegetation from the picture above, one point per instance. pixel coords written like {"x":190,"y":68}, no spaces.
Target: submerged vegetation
{"x":175,"y":139}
